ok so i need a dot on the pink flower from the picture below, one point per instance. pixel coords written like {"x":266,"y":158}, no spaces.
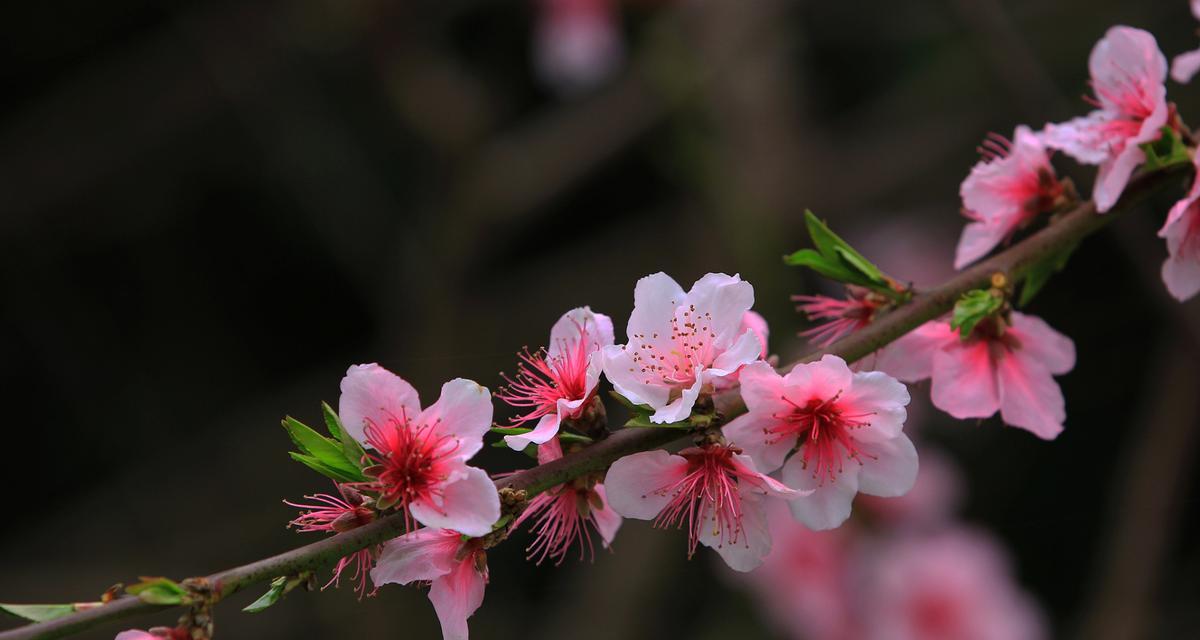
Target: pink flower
{"x":952,"y":586}
{"x":456,"y":569}
{"x":842,"y":429}
{"x":1185,"y":65}
{"x":1181,"y":271}
{"x":155,"y":633}
{"x":839,"y":318}
{"x":418,"y":457}
{"x":558,"y":383}
{"x":682,"y":344}
{"x":713,"y":491}
{"x":752,"y":321}
{"x":578,"y":43}
{"x":567,"y":513}
{"x":1127,"y":72}
{"x":1008,"y":188}
{"x":1010,"y":370}
{"x":332,"y":514}
{"x":803,"y":583}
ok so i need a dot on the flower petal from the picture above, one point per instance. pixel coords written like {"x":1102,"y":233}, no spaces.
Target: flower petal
{"x":978,"y":238}
{"x":624,"y":374}
{"x":470,"y":504}
{"x":750,"y":433}
{"x":745,"y":349}
{"x":606,"y":518}
{"x":567,"y":330}
{"x":455,"y":597}
{"x":889,"y":467}
{"x":680,"y":408}
{"x":1185,"y":66}
{"x":964,"y":381}
{"x":753,"y":542}
{"x":828,"y":506}
{"x":372,"y":393}
{"x":635,"y":483}
{"x":910,"y":358}
{"x":1029,"y":396}
{"x":726,"y":299}
{"x":654,"y":300}
{"x":1038,"y":341}
{"x":463,"y":411}
{"x":882,"y":397}
{"x":420,"y":555}
{"x":546,"y":429}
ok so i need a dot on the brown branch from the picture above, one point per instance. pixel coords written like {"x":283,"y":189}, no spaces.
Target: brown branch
{"x":1015,"y":262}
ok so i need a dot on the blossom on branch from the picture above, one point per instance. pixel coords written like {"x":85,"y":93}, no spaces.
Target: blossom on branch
{"x":839,"y":318}
{"x":455,"y":568}
{"x":682,"y":344}
{"x":1181,"y":271}
{"x":336,"y":514}
{"x":567,"y":514}
{"x":1005,"y":366}
{"x":1004,"y":192}
{"x":835,"y":433}
{"x":418,"y":457}
{"x":712,"y":490}
{"x":559,"y":382}
{"x":1128,"y":72}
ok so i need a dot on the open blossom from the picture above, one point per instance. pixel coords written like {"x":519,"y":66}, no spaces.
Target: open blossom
{"x":578,"y":43}
{"x":955,"y":585}
{"x":1009,"y":369}
{"x":845,"y":429}
{"x":712,"y":491}
{"x":682,"y":344}
{"x":1185,"y":65}
{"x":557,"y":384}
{"x":1128,"y":72}
{"x":335,"y":514}
{"x":838,"y":318}
{"x":419,"y":457}
{"x":455,"y":568}
{"x":567,"y":514}
{"x":1008,"y":188}
{"x":1181,"y":271}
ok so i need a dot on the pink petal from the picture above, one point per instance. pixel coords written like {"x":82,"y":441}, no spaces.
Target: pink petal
{"x":1080,"y":137}
{"x":455,"y":597}
{"x":1181,"y":274}
{"x":748,"y":432}
{"x":566,"y":332}
{"x":762,"y":484}
{"x":978,"y":239}
{"x":544,"y":431}
{"x":1039,"y":342}
{"x":550,"y":451}
{"x":910,"y":358}
{"x":470,"y":504}
{"x":1114,"y":175}
{"x":884,"y":398}
{"x":822,"y":379}
{"x":964,"y":381}
{"x":634,"y":482}
{"x":762,"y":388}
{"x":1185,"y":66}
{"x":370,"y":392}
{"x":136,"y":634}
{"x":753,"y":542}
{"x":654,"y":300}
{"x":607,"y":519}
{"x":889,"y":467}
{"x":464,"y":411}
{"x":726,"y":298}
{"x":745,"y":349}
{"x":421,"y":555}
{"x":680,"y":408}
{"x":828,"y":506}
{"x":625,"y":376}
{"x":753,"y":321}
{"x":1030,"y":398}
{"x":1125,"y":53}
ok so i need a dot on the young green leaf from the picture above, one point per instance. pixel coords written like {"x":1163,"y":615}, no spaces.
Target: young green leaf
{"x":828,"y":267}
{"x":337,"y":474}
{"x":273,"y":595}
{"x":1040,"y":273}
{"x":332,"y":421}
{"x":511,"y":431}
{"x":45,"y":612}
{"x":158,"y":591}
{"x":972,"y":308}
{"x":1167,"y":151}
{"x":330,"y":453}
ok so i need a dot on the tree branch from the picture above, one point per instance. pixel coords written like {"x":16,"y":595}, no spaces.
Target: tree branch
{"x":1014,"y":262}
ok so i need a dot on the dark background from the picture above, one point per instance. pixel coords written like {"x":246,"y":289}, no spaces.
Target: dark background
{"x":209,"y":210}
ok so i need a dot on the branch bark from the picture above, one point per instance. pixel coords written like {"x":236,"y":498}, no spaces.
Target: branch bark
{"x":1015,"y":262}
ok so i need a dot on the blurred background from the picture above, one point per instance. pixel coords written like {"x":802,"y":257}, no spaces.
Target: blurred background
{"x":209,"y":210}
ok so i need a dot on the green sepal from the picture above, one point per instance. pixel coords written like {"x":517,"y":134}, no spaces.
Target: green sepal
{"x":972,"y":308}
{"x":1168,"y":150}
{"x":159,"y":591}
{"x":1040,"y":273}
{"x":504,"y":519}
{"x":280,"y":587}
{"x":46,"y":612}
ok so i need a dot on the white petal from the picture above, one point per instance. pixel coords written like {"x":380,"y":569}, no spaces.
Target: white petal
{"x":889,"y":467}
{"x":828,"y":506}
{"x":470,"y":505}
{"x":463,"y":411}
{"x":423,"y":554}
{"x":753,"y":542}
{"x":636,"y":484}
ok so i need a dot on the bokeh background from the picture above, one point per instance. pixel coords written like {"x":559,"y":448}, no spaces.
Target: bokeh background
{"x":209,"y":210}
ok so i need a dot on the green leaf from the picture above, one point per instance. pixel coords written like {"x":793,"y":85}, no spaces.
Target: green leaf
{"x":329,"y":453}
{"x":511,"y":431}
{"x":833,"y":247}
{"x":1040,"y":273}
{"x":642,"y":420}
{"x":627,"y":403}
{"x":158,"y":591}
{"x":332,"y":421}
{"x":1167,"y":151}
{"x":334,"y":473}
{"x":273,"y":595}
{"x":822,"y":265}
{"x":973,"y":307}
{"x":573,"y":437}
{"x":44,"y":612}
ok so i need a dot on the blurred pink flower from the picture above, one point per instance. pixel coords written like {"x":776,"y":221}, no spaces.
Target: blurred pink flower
{"x":1128,"y":72}
{"x":838,"y":318}
{"x":682,"y":344}
{"x":1011,"y":371}
{"x":456,"y":569}
{"x":1181,"y":271}
{"x":334,"y":514}
{"x":1008,"y":188}
{"x":955,"y":585}
{"x":558,"y":383}
{"x":578,"y":43}
{"x":1185,"y":65}
{"x":713,"y":491}
{"x":566,"y":514}
{"x":752,"y":321}
{"x":419,"y":456}
{"x":845,"y":427}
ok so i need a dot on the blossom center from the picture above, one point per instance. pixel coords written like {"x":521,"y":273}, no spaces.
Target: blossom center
{"x":542,"y":380}
{"x":408,"y":461}
{"x":824,"y":432}
{"x":708,"y":495}
{"x":677,"y":360}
